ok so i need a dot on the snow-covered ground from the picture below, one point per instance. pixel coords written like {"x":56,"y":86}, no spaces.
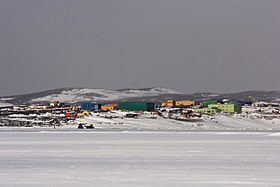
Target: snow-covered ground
{"x":119,"y":159}
{"x":216,"y":122}
{"x":150,"y":122}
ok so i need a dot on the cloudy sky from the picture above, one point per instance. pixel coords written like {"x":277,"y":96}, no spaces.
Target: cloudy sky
{"x":186,"y":45}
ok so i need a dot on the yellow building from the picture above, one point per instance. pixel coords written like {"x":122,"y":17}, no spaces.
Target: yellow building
{"x":185,"y":103}
{"x":168,"y":103}
{"x":83,"y":113}
{"x":109,"y":107}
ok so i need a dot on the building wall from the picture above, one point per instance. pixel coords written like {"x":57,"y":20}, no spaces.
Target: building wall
{"x":136,"y":106}
{"x":227,"y":108}
{"x":90,"y":106}
{"x":209,"y":102}
{"x":205,"y":110}
{"x":184,"y":103}
{"x":238,"y":108}
{"x":168,"y":103}
{"x":109,"y":107}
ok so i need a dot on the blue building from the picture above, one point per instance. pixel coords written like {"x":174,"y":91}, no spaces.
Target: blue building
{"x":90,"y":106}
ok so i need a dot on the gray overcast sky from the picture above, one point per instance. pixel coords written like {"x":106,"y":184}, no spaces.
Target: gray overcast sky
{"x":186,"y":45}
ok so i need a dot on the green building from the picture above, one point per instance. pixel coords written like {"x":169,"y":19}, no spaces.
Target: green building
{"x":206,"y":110}
{"x":226,"y":108}
{"x":136,"y":106}
{"x":209,"y":102}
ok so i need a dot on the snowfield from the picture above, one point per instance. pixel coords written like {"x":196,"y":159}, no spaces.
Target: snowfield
{"x":116,"y":121}
{"x":217,"y":122}
{"x":37,"y":158}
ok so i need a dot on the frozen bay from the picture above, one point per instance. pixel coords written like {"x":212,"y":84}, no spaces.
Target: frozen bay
{"x":89,"y":158}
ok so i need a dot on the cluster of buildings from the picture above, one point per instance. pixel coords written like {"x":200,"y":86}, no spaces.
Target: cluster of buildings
{"x":56,"y":112}
{"x":111,"y":106}
{"x":208,"y":106}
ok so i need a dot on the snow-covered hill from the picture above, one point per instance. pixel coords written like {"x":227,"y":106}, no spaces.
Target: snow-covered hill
{"x":87,"y":94}
{"x":157,"y":94}
{"x":75,"y":95}
{"x":4,"y":103}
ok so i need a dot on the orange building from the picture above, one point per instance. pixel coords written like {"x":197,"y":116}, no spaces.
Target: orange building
{"x":168,"y":103}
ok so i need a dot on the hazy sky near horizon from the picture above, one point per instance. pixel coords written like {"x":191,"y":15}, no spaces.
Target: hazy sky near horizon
{"x":186,"y":45}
